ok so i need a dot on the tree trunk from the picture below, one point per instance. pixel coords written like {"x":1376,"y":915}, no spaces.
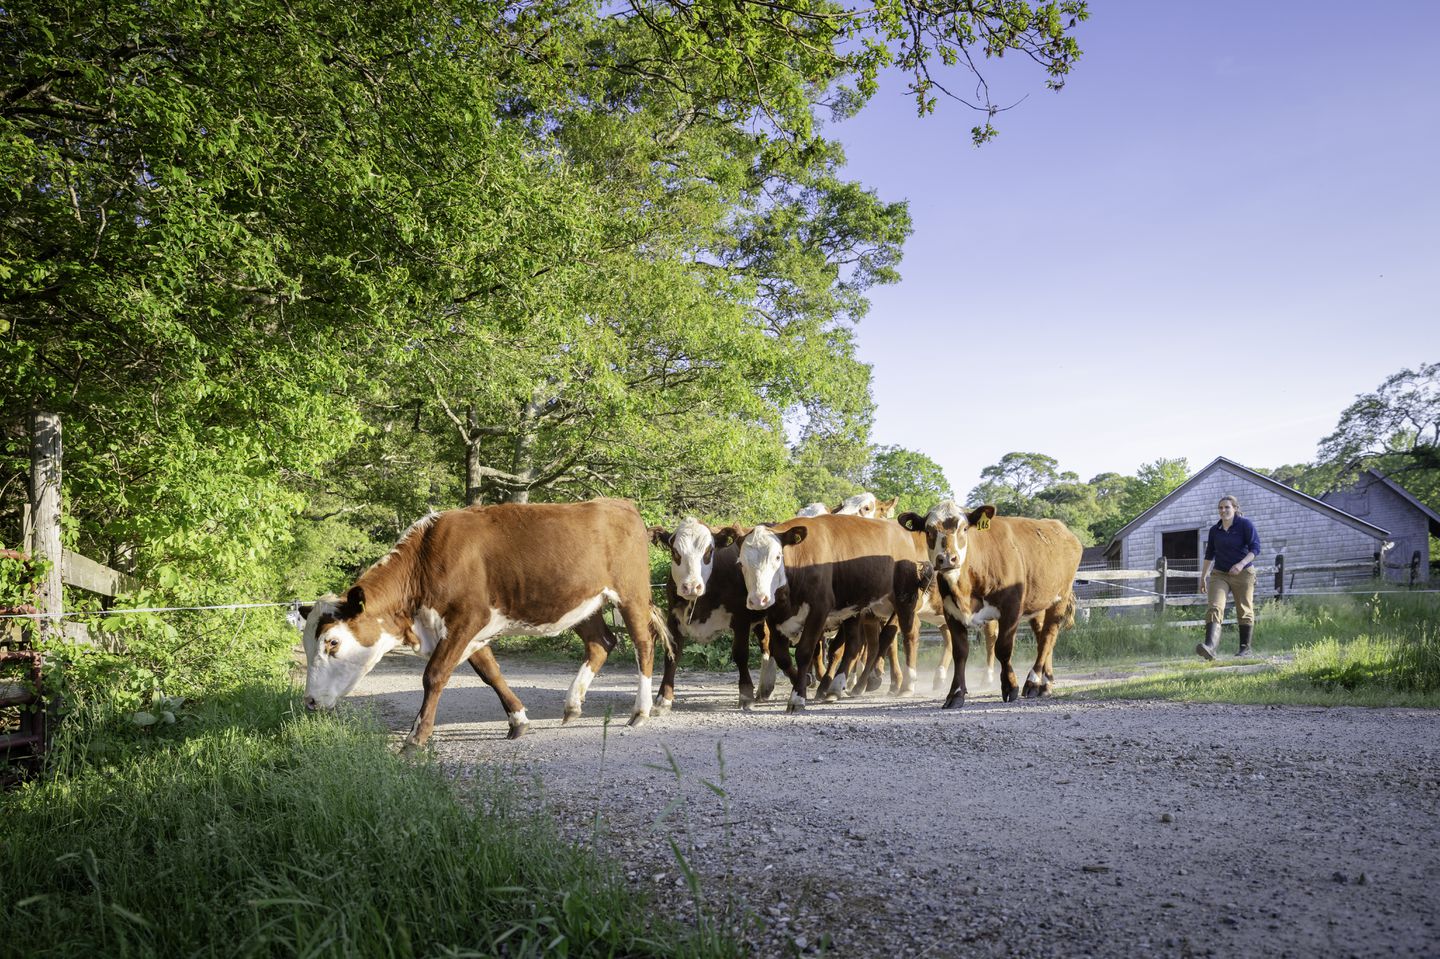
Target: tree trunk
{"x":474,"y":492}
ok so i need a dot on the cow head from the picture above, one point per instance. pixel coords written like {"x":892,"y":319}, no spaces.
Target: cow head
{"x":692,"y":555}
{"x":947,"y":528}
{"x":813,"y":509}
{"x":342,"y":644}
{"x":861,"y":504}
{"x":762,"y":560}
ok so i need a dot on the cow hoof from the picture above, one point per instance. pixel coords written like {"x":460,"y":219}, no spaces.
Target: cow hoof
{"x":954,"y":701}
{"x":569,"y":715}
{"x":517,"y":731}
{"x":409,"y":748}
{"x":1029,"y":690}
{"x":763,"y":695}
{"x":830,"y":697}
{"x":662,"y":706}
{"x":1043,"y":690}
{"x":874,"y":683}
{"x":794,"y":707}
{"x":1009,"y":695}
{"x":638,"y":719}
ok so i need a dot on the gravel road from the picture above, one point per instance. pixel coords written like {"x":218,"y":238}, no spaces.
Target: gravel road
{"x":881,"y":827}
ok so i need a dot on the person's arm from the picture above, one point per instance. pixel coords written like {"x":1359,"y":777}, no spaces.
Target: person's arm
{"x":1252,"y":548}
{"x":1205,"y":566}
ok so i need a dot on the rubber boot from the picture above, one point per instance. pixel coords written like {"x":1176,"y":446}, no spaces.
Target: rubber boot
{"x":1245,"y":630}
{"x":1211,"y":646}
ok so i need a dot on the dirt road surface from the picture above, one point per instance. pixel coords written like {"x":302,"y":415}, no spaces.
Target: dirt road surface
{"x":881,"y":826}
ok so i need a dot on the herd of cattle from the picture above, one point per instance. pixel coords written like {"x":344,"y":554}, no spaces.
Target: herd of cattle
{"x":457,"y":580}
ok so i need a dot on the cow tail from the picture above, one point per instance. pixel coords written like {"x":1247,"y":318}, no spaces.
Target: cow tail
{"x":1067,"y":611}
{"x":661,"y":630}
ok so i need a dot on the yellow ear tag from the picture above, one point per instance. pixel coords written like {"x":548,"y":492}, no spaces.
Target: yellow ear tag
{"x":984,"y":522}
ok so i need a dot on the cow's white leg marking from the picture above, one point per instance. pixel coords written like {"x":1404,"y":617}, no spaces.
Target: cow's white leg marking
{"x":837,"y":685}
{"x":767,"y":675}
{"x":576,"y":696}
{"x":518,"y":719}
{"x":797,"y":702}
{"x":642,"y":697}
{"x":1035,"y":678}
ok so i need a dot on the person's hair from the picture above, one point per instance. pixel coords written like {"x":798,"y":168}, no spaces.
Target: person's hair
{"x":1233,"y":502}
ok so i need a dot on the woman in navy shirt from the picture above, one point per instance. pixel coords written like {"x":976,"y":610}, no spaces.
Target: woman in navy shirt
{"x":1232,"y":549}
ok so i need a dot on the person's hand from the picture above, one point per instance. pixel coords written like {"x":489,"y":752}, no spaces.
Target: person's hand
{"x":1204,"y":582}
{"x":1237,"y":568}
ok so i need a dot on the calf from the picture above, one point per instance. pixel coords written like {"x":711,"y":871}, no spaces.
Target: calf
{"x":813,"y":574}
{"x":458,"y":579}
{"x":706,"y":597}
{"x":1003,"y":569}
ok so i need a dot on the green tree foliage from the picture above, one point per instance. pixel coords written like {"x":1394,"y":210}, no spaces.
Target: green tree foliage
{"x":1014,"y":484}
{"x":1153,"y":482}
{"x":914,"y":478}
{"x":1395,"y":429}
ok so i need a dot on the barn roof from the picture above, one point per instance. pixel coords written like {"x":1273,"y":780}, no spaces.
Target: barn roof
{"x":1431,"y":517}
{"x":1259,"y":479}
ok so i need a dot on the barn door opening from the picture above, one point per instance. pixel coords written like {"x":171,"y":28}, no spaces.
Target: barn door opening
{"x":1181,"y":549}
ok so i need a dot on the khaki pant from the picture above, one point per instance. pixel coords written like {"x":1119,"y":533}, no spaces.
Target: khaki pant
{"x":1242,"y":585}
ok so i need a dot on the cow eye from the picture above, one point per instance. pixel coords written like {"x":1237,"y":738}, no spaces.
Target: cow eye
{"x":709,"y":552}
{"x":332,"y":646}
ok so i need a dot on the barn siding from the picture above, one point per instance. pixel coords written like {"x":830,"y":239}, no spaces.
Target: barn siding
{"x":1303,"y":533}
{"x":1375,"y":502}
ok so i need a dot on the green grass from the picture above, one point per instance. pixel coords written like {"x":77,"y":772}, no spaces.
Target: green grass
{"x":257,"y":831}
{"x":1356,"y":651}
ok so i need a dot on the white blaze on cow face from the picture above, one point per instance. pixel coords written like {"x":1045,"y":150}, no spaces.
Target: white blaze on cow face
{"x":946,"y":529}
{"x":339,"y":652}
{"x":692,"y":557}
{"x":762,"y":561}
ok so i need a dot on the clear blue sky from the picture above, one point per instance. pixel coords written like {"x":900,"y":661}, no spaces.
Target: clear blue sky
{"x":1222,"y":230}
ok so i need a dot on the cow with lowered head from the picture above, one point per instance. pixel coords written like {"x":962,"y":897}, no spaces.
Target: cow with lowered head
{"x":810,"y":575}
{"x":1005,"y":569}
{"x":458,"y":579}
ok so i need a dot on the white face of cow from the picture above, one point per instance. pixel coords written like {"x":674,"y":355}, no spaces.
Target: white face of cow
{"x":861,"y":504}
{"x":692,"y":557}
{"x":814,"y":509}
{"x":340,"y":651}
{"x":762,"y":561}
{"x":947,"y":532}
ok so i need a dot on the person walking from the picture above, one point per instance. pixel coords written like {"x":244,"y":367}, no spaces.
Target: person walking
{"x":1232,"y":549}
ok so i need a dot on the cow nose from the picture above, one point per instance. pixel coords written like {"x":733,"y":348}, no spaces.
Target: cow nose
{"x":310,"y":704}
{"x":759,"y":601}
{"x":692,"y":589}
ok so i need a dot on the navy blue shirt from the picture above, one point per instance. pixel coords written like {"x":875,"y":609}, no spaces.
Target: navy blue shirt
{"x":1226,"y":547}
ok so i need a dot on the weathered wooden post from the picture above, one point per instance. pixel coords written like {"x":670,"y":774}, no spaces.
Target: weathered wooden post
{"x":45,"y":513}
{"x":1378,"y":570}
{"x":1415,"y":569}
{"x":1280,"y":576}
{"x":1162,"y":566}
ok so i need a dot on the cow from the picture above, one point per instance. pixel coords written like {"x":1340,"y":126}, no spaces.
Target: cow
{"x":812,"y":574}
{"x":706,"y":597}
{"x":861,"y":504}
{"x":456,"y":580}
{"x":1004,"y":569}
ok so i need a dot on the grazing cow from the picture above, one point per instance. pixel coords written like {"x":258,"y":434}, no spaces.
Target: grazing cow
{"x":706,"y":597}
{"x":458,"y":579}
{"x":1005,"y":569}
{"x":813,"y":574}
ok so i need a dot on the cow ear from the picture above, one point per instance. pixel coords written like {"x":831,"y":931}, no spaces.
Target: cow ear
{"x":980,"y":518}
{"x":729,"y":536}
{"x":793,"y":535}
{"x":297,"y":615}
{"x":914,"y":522}
{"x":885,"y":507}
{"x":660,"y":536}
{"x":355,"y":601}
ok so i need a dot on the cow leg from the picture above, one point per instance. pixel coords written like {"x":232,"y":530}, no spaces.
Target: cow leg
{"x":673,"y":649}
{"x":767,"y":659}
{"x":637,"y":620}
{"x":740,"y":655}
{"x":806,"y":651}
{"x":946,"y":658}
{"x":992,"y":636}
{"x":1004,"y":647}
{"x":848,"y":642}
{"x":876,"y":644}
{"x":598,"y":643}
{"x":960,"y":651}
{"x":483,"y":662}
{"x":442,"y":663}
{"x":1042,"y":674}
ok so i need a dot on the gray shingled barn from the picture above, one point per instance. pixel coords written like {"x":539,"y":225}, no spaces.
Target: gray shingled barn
{"x":1302,"y":528}
{"x":1380,"y":500}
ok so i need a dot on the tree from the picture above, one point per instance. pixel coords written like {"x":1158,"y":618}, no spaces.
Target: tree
{"x":1013,"y":484}
{"x":1395,"y":429}
{"x":914,"y":478}
{"x":1153,"y":482}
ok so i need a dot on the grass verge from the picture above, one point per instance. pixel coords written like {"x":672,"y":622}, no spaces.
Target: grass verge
{"x":254,"y":830}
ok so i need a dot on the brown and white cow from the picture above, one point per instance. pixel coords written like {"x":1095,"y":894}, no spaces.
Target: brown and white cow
{"x":810,"y":575}
{"x":458,"y":579}
{"x":1004,"y":569}
{"x":706,"y":597}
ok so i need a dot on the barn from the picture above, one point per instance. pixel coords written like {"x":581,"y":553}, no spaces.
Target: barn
{"x":1304,"y":529}
{"x":1377,"y":499}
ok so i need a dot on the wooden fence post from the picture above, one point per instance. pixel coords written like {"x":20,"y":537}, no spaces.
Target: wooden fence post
{"x":1162,"y":566}
{"x":1414,"y":569}
{"x":45,"y":512}
{"x":1280,"y":576}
